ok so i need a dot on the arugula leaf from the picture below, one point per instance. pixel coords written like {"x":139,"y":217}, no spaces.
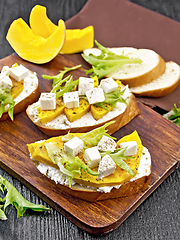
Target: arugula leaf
{"x":17,"y":200}
{"x":93,"y":137}
{"x":6,"y":98}
{"x":2,"y":215}
{"x":173,"y":115}
{"x":112,"y":98}
{"x":69,"y":86}
{"x":67,"y":163}
{"x":107,"y":61}
{"x":118,"y":157}
{"x":57,"y":78}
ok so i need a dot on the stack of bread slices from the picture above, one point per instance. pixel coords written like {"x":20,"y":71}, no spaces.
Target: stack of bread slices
{"x":152,"y":78}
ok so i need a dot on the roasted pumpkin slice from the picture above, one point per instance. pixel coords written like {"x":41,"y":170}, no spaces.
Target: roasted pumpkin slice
{"x":99,"y":112}
{"x":17,"y":88}
{"x":74,"y":114}
{"x":34,"y":48}
{"x":48,"y":115}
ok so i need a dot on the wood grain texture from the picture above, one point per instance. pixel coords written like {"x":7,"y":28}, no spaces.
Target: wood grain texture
{"x":103,"y":216}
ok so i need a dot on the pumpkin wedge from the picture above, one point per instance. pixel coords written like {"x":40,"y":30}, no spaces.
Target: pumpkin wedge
{"x":76,"y":39}
{"x":34,"y":48}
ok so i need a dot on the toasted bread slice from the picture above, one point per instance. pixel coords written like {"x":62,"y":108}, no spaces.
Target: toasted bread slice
{"x":29,"y":94}
{"x":163,"y":85}
{"x":122,"y":115}
{"x":136,"y":184}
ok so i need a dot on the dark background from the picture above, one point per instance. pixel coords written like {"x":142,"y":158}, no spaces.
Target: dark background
{"x":158,"y":217}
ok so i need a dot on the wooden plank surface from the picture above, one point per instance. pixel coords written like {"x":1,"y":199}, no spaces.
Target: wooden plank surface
{"x":157,"y":134}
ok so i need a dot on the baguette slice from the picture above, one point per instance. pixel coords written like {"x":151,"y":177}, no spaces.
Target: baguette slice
{"x":60,"y":125}
{"x":136,"y":184}
{"x":152,"y":66}
{"x":29,"y":95}
{"x":162,"y":85}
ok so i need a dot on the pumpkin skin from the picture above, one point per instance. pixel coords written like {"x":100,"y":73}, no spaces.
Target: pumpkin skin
{"x":76,"y":39}
{"x":34,"y":48}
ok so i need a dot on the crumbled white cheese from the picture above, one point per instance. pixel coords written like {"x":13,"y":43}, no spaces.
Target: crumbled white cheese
{"x":85,"y":84}
{"x":71,"y":99}
{"x":6,"y":83}
{"x":54,"y":174}
{"x":95,"y":95}
{"x":92,"y":157}
{"x":106,"y":167}
{"x":74,"y":146}
{"x":108,"y":85}
{"x":19,"y":72}
{"x":106,"y":144}
{"x":131,"y":148}
{"x":47,"y":101}
{"x":4,"y":72}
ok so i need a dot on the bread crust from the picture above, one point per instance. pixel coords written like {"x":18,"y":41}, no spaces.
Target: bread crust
{"x":121,"y":120}
{"x":160,"y":91}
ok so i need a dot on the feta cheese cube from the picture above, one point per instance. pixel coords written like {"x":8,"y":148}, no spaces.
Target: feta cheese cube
{"x":106,"y":144}
{"x":92,"y":157}
{"x":85,"y":84}
{"x":6,"y":83}
{"x":19,"y":72}
{"x":131,"y":148}
{"x":108,"y":85}
{"x":47,"y":101}
{"x":74,"y":146}
{"x":106,"y":167}
{"x":4,"y":72}
{"x":95,"y":95}
{"x":71,"y":99}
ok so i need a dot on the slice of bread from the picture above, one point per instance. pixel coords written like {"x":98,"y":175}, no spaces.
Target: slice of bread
{"x":152,"y":66}
{"x":163,"y":85}
{"x":136,"y":184}
{"x":122,"y":115}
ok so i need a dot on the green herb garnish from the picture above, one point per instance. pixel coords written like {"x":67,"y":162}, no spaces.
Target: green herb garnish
{"x":173,"y":115}
{"x":93,"y":137}
{"x":112,"y":98}
{"x":16,"y":199}
{"x":6,"y":98}
{"x":57,"y":78}
{"x":107,"y":61}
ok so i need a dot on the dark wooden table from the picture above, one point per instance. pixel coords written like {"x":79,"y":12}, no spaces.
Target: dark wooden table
{"x":158,"y":217}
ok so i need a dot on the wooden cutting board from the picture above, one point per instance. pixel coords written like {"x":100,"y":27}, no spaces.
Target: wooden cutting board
{"x":157,"y":134}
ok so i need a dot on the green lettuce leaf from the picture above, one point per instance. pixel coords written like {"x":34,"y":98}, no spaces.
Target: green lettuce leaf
{"x":93,"y":137}
{"x":107,"y":62}
{"x":173,"y":115}
{"x":17,"y":200}
{"x":118,"y":157}
{"x":57,"y":78}
{"x":67,"y":163}
{"x":6,"y":98}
